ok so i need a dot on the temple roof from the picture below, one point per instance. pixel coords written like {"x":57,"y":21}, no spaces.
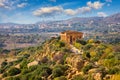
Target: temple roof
{"x":70,"y":31}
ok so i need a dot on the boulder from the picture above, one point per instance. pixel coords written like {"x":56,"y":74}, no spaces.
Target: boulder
{"x":58,"y":57}
{"x":107,"y":77}
{"x":33,"y":63}
{"x":98,"y":76}
{"x":75,"y":61}
{"x":94,"y":70}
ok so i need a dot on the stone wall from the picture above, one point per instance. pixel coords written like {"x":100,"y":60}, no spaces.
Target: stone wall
{"x":71,"y":37}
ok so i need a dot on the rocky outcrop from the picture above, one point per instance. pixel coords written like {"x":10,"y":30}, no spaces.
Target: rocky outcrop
{"x":98,"y":76}
{"x":33,"y":63}
{"x":58,"y":57}
{"x":107,"y":77}
{"x":75,"y":61}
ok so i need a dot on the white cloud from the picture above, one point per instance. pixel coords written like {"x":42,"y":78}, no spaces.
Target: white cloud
{"x":3,"y":3}
{"x":101,"y":14}
{"x":70,"y":12}
{"x":8,"y":4}
{"x":48,"y":11}
{"x":95,"y":5}
{"x":21,"y":5}
{"x":11,"y":4}
{"x":84,"y":9}
{"x":77,"y":11}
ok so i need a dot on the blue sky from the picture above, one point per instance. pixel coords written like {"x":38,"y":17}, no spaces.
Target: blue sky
{"x":32,"y":11}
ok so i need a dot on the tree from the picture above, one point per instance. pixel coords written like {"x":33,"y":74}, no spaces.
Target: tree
{"x":87,"y":47}
{"x":88,"y":55}
{"x":86,"y":68}
{"x":93,"y":53}
{"x":23,"y":64}
{"x":77,"y":45}
{"x":4,"y":64}
{"x":57,"y":72}
{"x":46,"y":71}
{"x":83,"y":42}
{"x":13,"y":71}
{"x":91,"y":41}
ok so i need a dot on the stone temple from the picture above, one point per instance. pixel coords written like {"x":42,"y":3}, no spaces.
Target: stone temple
{"x":70,"y":36}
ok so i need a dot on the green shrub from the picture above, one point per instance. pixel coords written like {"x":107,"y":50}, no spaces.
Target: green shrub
{"x":88,"y":55}
{"x":77,"y":45}
{"x":79,"y":77}
{"x":117,"y":55}
{"x":42,"y":71}
{"x":57,"y":72}
{"x":60,"y":44}
{"x":113,"y":70}
{"x":30,"y":69}
{"x":10,"y":64}
{"x":10,"y":78}
{"x":17,"y":78}
{"x":5,"y":74}
{"x":90,"y":77}
{"x":31,"y":76}
{"x":83,"y":42}
{"x":13,"y":71}
{"x":109,"y":63}
{"x":87,"y":47}
{"x":13,"y":78}
{"x":23,"y":64}
{"x":60,"y":78}
{"x":25,"y":71}
{"x":26,"y":76}
{"x":46,"y":71}
{"x":86,"y":68}
{"x":18,"y":60}
{"x":94,"y":59}
{"x":37,"y":78}
{"x":2,"y":70}
{"x":91,"y":41}
{"x":62,"y":67}
{"x":3,"y":64}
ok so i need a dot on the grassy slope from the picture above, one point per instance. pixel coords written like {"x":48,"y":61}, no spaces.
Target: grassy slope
{"x":54,"y":60}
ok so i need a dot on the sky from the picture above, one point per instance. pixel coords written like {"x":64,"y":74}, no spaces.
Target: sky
{"x":32,"y":11}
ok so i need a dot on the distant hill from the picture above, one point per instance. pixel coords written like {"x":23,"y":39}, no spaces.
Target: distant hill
{"x":100,"y":24}
{"x":113,"y":18}
{"x":91,"y":24}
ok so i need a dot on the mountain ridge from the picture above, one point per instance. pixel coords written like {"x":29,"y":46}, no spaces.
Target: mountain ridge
{"x":113,"y":17}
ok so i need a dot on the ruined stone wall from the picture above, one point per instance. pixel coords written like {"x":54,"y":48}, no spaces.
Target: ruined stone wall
{"x":71,"y":37}
{"x":63,"y":37}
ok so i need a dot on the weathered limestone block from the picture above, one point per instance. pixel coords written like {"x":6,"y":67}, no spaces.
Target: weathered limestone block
{"x":75,"y":61}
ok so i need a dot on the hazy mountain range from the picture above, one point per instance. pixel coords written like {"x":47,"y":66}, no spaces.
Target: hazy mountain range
{"x":102,"y":24}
